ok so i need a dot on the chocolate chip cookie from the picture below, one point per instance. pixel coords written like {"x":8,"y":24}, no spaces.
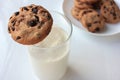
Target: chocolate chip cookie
{"x":93,"y":22}
{"x":30,"y":25}
{"x":110,"y":11}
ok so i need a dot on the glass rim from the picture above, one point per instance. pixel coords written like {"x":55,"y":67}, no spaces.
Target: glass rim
{"x":68,"y":38}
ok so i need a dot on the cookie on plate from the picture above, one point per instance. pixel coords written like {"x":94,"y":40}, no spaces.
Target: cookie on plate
{"x":30,"y":25}
{"x":93,"y":22}
{"x":110,"y":11}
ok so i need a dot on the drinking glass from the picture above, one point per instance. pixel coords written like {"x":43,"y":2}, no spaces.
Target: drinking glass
{"x":49,"y":58}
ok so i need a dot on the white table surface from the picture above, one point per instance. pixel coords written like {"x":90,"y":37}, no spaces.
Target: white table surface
{"x":91,"y":57}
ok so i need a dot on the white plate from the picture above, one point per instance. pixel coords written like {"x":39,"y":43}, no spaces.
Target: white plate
{"x":110,"y":29}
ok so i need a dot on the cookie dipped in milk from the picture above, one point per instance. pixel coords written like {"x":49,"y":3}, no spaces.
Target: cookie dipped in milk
{"x":47,"y":35}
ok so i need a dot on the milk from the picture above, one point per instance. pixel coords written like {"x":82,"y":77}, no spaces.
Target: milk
{"x":50,"y":63}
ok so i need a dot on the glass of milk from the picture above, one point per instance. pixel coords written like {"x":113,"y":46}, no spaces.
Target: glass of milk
{"x":49,"y":58}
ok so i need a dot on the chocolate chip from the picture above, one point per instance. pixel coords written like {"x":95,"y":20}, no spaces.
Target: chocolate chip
{"x":13,"y":28}
{"x":30,"y":6}
{"x":114,"y":14}
{"x":16,"y":13}
{"x":96,"y":22}
{"x":20,"y":20}
{"x":84,"y":12}
{"x":77,"y":14}
{"x":37,"y":18}
{"x":87,"y":11}
{"x":96,"y":6}
{"x":111,"y":12}
{"x":90,"y":11}
{"x":89,"y":24}
{"x":39,"y":26}
{"x":115,"y":18}
{"x":98,"y":15}
{"x":12,"y":21}
{"x":101,"y":3}
{"x":18,"y":37}
{"x":25,"y":8}
{"x":111,"y":2}
{"x":32,"y":23}
{"x":46,"y":15}
{"x":104,"y":7}
{"x":35,"y":10}
{"x":22,"y":16}
{"x":97,"y":29}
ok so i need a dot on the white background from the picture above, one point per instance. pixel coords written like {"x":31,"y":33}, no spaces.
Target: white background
{"x":91,"y":57}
